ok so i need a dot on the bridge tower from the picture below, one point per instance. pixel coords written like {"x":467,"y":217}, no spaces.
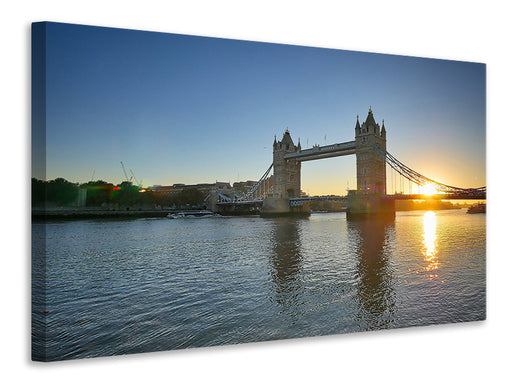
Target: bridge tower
{"x":371,"y":167}
{"x":286,"y":181}
{"x":286,"y":171}
{"x":370,"y":200}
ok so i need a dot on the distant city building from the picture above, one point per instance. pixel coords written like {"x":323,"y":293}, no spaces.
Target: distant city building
{"x":242,"y":187}
{"x":238,"y":189}
{"x":205,"y":188}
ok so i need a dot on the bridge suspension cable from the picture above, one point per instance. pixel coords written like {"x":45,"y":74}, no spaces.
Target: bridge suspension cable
{"x":417,"y":178}
{"x":250,"y":193}
{"x":223,"y":197}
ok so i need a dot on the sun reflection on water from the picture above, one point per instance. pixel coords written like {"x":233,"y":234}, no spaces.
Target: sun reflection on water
{"x":430,"y":242}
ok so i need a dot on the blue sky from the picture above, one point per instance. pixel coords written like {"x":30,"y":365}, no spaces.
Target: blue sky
{"x":185,"y":109}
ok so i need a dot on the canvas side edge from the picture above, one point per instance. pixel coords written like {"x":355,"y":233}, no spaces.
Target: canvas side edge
{"x":38,"y":170}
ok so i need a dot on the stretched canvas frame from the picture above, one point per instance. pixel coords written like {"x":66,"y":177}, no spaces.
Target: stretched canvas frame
{"x":282,"y":282}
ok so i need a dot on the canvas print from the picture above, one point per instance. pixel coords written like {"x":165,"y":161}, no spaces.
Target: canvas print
{"x":193,"y":191}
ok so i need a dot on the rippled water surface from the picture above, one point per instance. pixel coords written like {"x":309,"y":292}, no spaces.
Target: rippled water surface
{"x":129,"y":286}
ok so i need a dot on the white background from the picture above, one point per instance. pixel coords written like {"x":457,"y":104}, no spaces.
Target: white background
{"x":459,"y":30}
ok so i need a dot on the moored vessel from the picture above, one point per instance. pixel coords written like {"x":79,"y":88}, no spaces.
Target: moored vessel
{"x":478,"y":208}
{"x":191,"y":214}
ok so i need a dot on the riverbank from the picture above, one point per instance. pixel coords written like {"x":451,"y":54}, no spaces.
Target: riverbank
{"x":93,"y":213}
{"x":74,"y":213}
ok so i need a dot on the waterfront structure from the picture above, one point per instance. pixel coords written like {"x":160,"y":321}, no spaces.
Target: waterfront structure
{"x":280,"y":194}
{"x":286,"y":170}
{"x":205,"y":188}
{"x":370,"y":138}
{"x":371,"y":167}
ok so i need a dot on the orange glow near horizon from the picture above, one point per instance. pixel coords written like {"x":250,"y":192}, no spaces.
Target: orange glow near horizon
{"x":428,"y":189}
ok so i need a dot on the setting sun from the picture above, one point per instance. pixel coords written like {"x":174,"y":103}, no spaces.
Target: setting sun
{"x":428,"y":189}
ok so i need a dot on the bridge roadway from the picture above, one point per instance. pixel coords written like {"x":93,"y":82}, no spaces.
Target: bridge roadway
{"x":439,"y":196}
{"x":294,"y":202}
{"x":297,"y":201}
{"x":324,"y":152}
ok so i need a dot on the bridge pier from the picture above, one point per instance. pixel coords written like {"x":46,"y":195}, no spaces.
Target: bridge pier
{"x":239,"y":209}
{"x":277,"y":207}
{"x":363,"y":206}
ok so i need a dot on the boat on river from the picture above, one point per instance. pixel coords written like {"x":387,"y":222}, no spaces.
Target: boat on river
{"x":191,"y":214}
{"x":478,"y":208}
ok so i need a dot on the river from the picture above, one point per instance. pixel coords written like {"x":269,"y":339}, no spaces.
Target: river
{"x":129,"y":286}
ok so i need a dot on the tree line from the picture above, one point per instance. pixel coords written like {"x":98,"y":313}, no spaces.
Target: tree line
{"x":60,"y":192}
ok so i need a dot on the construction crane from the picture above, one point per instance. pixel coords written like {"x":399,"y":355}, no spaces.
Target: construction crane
{"x":125,"y":174}
{"x":134,"y":178}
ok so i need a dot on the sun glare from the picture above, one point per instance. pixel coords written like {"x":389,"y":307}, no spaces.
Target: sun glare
{"x":428,"y":189}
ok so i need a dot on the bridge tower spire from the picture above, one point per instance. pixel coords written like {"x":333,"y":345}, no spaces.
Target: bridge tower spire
{"x":371,"y":168}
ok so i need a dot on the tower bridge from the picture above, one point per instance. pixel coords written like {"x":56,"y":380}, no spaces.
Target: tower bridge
{"x":371,"y":170}
{"x":282,"y":196}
